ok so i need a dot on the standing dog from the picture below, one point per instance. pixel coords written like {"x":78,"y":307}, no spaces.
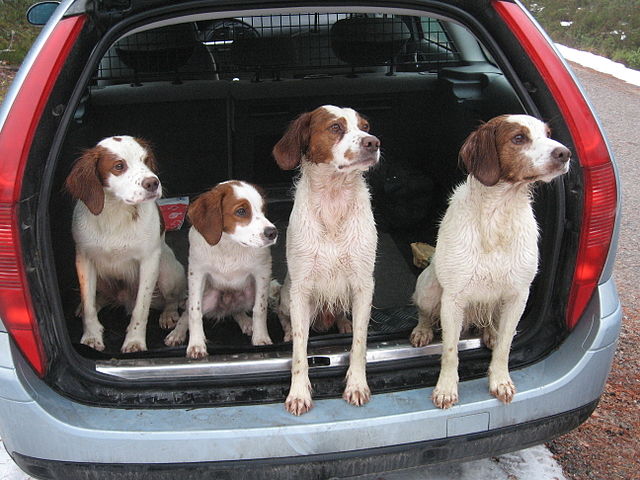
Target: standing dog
{"x":229,"y":264}
{"x":121,"y":255}
{"x":331,"y":240}
{"x":487,"y":252}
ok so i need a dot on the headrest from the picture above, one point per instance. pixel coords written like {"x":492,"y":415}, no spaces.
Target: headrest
{"x":159,"y":50}
{"x":363,"y":41}
{"x":263,"y":52}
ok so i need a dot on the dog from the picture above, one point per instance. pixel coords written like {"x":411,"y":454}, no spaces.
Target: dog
{"x":229,"y":264}
{"x":487,"y":252}
{"x":121,"y":254}
{"x":331,"y":241}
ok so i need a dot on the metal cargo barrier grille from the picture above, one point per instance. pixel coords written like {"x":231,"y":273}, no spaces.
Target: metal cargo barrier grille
{"x":273,"y":47}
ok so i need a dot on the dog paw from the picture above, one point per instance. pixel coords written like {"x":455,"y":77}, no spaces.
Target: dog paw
{"x":298,"y":404}
{"x":444,"y":397}
{"x":503,"y":390}
{"x":489,"y":337}
{"x":421,"y":336}
{"x":169,"y":319}
{"x":197,"y":351}
{"x":299,"y":399}
{"x":344,"y":325}
{"x":131,"y":346}
{"x":261,"y":340}
{"x":357,"y":395}
{"x":174,"y":339}
{"x":246,"y":325}
{"x":93,"y":340}
{"x":286,"y":332}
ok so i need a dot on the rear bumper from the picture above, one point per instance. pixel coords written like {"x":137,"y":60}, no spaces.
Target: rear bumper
{"x":45,"y":430}
{"x":360,"y":462}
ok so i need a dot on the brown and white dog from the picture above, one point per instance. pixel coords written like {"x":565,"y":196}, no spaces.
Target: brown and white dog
{"x":487,"y":252}
{"x":229,"y":264}
{"x":121,"y":254}
{"x":331,"y":240}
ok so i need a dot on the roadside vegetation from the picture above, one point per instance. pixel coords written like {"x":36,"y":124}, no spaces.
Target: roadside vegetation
{"x":16,"y":34}
{"x":610,"y":28}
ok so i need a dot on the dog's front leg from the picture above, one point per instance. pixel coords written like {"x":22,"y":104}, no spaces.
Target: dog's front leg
{"x":299,"y":399}
{"x":91,"y":327}
{"x":197,"y":347}
{"x":357,"y":391}
{"x":445,"y":394}
{"x":260,"y":335}
{"x":178,"y":335}
{"x":283,"y":309}
{"x":135,"y":340}
{"x":500,"y":384}
{"x":172,"y":284}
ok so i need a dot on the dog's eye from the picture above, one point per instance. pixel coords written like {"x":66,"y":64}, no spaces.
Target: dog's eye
{"x":365,"y":127}
{"x":119,"y":166}
{"x":241,"y":212}
{"x":336,"y":128}
{"x":519,"y":139}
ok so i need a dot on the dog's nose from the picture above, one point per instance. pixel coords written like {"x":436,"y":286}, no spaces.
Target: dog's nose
{"x":561,"y":154}
{"x":370,"y":143}
{"x":150,"y":184}
{"x":270,"y":233}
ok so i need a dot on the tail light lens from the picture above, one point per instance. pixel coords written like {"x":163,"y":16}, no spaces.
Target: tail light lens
{"x":16,"y":136}
{"x":600,"y":190}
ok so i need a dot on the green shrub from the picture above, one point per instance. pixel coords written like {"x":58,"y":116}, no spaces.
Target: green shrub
{"x":16,"y":34}
{"x":610,"y":28}
{"x":630,"y":58}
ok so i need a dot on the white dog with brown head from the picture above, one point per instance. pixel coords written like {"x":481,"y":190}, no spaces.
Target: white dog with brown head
{"x":487,"y":250}
{"x":121,"y":254}
{"x":331,"y":241}
{"x":229,"y":264}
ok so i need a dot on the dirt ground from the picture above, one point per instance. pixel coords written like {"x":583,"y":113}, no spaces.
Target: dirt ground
{"x":606,"y":446}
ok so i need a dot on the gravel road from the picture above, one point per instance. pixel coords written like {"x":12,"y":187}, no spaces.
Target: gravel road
{"x":606,"y":446}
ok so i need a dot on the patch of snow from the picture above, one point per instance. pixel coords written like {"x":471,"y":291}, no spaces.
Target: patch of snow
{"x":601,"y":64}
{"x":8,"y":469}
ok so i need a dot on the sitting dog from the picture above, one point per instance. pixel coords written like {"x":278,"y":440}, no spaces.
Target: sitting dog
{"x":121,"y":255}
{"x":229,"y":264}
{"x":331,"y":241}
{"x":487,"y":252}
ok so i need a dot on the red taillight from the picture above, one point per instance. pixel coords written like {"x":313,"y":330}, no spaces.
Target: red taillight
{"x":600,"y":190}
{"x":15,"y":304}
{"x":16,"y":137}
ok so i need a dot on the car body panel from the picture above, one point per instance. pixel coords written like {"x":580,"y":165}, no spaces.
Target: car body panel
{"x":107,"y":435}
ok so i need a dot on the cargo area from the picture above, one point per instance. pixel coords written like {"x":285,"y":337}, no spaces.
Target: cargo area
{"x":214,"y":96}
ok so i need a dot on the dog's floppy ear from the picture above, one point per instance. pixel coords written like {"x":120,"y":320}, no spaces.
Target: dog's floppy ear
{"x":83,"y":182}
{"x":205,"y":214}
{"x":480,"y":156}
{"x":294,"y":143}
